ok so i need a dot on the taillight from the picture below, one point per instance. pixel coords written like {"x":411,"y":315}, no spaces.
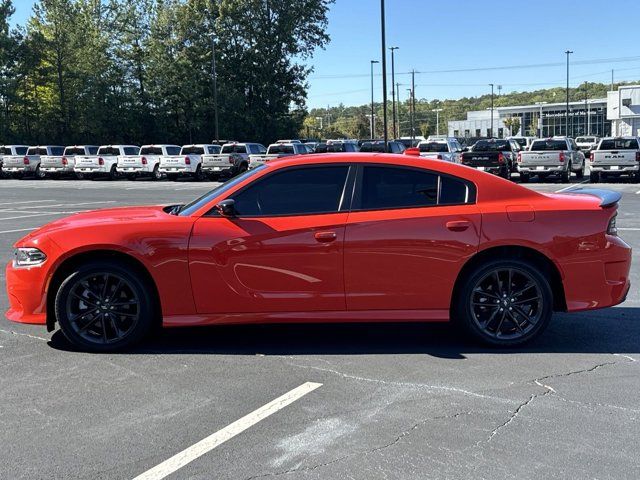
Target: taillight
{"x":25,"y":160}
{"x":65,"y":161}
{"x":611,"y":228}
{"x":561,"y":157}
{"x":519,"y":157}
{"x":100,"y":161}
{"x":231,"y":161}
{"x":591,"y":156}
{"x":144,"y":160}
{"x":439,"y":157}
{"x":187,"y":161}
{"x":637,"y":156}
{"x":500,"y":158}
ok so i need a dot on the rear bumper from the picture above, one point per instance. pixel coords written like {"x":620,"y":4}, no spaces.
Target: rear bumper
{"x":599,"y":283}
{"x":534,"y":169}
{"x":144,"y":169}
{"x":218,"y":168}
{"x":19,"y":169}
{"x":102,"y":170}
{"x":178,"y":169}
{"x":614,"y":169}
{"x":56,"y":168}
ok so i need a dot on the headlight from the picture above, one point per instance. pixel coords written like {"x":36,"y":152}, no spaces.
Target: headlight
{"x":28,"y":257}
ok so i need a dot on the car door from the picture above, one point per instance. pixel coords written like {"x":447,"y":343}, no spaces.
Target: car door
{"x":408,"y":235}
{"x":281,"y":252}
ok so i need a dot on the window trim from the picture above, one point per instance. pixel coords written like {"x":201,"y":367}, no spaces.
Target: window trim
{"x":344,"y":205}
{"x":471,"y":194}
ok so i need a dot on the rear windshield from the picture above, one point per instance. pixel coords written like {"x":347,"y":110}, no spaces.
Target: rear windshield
{"x":234,"y":149}
{"x":5,"y":151}
{"x":151,"y":151}
{"x":585,"y":139}
{"x":280,"y":149}
{"x":108,"y":151}
{"x":433,"y":147}
{"x":74,"y":151}
{"x":36,"y":151}
{"x":619,"y":144}
{"x":549,"y":145}
{"x":372,"y":147}
{"x":488,"y":146}
{"x":192,"y":151}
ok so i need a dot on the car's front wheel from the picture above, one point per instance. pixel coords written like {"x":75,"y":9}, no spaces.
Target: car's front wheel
{"x":504,"y":302}
{"x":104,"y":306}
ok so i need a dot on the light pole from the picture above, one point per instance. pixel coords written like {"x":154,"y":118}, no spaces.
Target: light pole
{"x":215,"y":86}
{"x":398,"y":106}
{"x":411,"y":114}
{"x":491,"y":129}
{"x":384,"y":74}
{"x":566,"y":115}
{"x":437,"y":110}
{"x":372,"y":113}
{"x":540,"y":122}
{"x":321,"y":119}
{"x":393,"y":94}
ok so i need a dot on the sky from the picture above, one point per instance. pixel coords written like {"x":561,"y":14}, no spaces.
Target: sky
{"x":471,"y":35}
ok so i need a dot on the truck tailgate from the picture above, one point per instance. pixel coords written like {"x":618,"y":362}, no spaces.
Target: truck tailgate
{"x":614,"y":157}
{"x":540,"y":158}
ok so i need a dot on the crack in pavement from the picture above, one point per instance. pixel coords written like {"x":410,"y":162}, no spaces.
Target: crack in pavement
{"x":11,"y":332}
{"x":369,"y":451}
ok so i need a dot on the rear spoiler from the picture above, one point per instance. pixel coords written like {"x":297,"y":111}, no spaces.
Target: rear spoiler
{"x":608,"y":198}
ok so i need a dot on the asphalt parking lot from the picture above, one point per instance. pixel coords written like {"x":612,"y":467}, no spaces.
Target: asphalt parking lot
{"x":376,"y":401}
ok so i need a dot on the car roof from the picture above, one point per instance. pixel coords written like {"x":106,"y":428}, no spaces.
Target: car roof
{"x":160,"y":145}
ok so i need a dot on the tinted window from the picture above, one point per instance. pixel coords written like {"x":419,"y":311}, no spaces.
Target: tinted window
{"x":5,"y":151}
{"x":619,"y":144}
{"x":131,"y":150}
{"x":490,"y":146}
{"x":521,"y":141}
{"x":151,"y":151}
{"x":433,"y":147}
{"x":294,"y":192}
{"x":36,"y":151}
{"x":74,"y":151}
{"x":108,"y":151}
{"x":539,"y":145}
{"x":57,"y":150}
{"x":213,"y":149}
{"x":234,"y":149}
{"x":452,"y":191}
{"x":173,"y":150}
{"x":192,"y":151}
{"x":387,"y":187}
{"x":21,"y":150}
{"x":280,"y":150}
{"x":93,"y":150}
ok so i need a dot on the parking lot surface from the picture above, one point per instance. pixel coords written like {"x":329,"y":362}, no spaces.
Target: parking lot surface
{"x":377,"y":401}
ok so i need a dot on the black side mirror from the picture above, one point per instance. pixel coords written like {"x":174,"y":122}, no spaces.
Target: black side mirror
{"x":227,"y":208}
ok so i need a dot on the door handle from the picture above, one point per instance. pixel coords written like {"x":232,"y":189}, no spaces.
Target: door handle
{"x":458,"y":225}
{"x":325,"y":237}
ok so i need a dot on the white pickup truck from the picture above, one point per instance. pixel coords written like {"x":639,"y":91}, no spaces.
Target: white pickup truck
{"x":444,"y":148}
{"x":104,"y":163}
{"x":615,"y":157}
{"x":11,"y":151}
{"x":20,"y":165}
{"x":147,"y":162}
{"x":551,"y":156}
{"x":188,"y":162}
{"x":277,"y":150}
{"x":57,"y":165}
{"x":232,"y":159}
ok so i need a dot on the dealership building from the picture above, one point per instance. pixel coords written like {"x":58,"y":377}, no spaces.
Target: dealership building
{"x":618,"y":114}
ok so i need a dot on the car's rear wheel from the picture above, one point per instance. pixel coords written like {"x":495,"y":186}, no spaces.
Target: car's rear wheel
{"x":199,"y":176}
{"x":113,"y":173}
{"x":505,"y":302}
{"x":104,"y":306}
{"x":566,"y":175}
{"x":580,"y":173}
{"x":156,"y":174}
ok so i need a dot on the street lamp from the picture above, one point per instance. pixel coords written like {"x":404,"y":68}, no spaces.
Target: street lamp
{"x":215,"y":86}
{"x":393,"y":95}
{"x":437,"y":110}
{"x":372,"y":113}
{"x":540,"y":122}
{"x":413,"y":130}
{"x":568,"y":52}
{"x":491,"y":129}
{"x":384,"y":74}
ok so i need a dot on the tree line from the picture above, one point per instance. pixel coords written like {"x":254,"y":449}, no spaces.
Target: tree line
{"x":353,"y":121}
{"x":140,"y":71}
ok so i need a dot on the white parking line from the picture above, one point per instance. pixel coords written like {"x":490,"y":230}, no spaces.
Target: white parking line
{"x":629,"y":229}
{"x":71,"y":204}
{"x":28,"y":201}
{"x":18,"y":230}
{"x":195,"y":451}
{"x":33,"y":214}
{"x":571,"y":186}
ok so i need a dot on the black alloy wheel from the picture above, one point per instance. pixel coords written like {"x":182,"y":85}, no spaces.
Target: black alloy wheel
{"x":505,"y":302}
{"x":104,"y":307}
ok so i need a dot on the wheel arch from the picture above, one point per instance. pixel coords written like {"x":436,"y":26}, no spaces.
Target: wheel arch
{"x":77,"y":259}
{"x":516,"y":252}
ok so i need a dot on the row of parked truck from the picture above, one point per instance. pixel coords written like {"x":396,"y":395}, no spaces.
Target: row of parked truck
{"x":542,"y":157}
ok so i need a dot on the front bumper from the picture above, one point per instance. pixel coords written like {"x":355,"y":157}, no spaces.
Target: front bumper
{"x":599,"y":283}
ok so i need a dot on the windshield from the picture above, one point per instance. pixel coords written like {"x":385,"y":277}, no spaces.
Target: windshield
{"x":198,"y":203}
{"x":539,"y":145}
{"x":108,"y":151}
{"x":619,"y":144}
{"x":433,"y":147}
{"x":488,"y":146}
{"x":151,"y":151}
{"x":234,"y":149}
{"x":192,"y":151}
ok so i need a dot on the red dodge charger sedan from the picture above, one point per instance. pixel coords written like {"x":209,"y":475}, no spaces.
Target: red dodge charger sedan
{"x":339,"y":238}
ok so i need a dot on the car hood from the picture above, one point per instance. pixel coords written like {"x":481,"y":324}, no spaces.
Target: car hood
{"x":109,"y":216}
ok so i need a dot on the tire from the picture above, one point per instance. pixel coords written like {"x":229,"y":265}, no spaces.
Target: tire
{"x":524,"y":177}
{"x":199,"y":175}
{"x":39,"y":174}
{"x":106,"y":330}
{"x":580,"y":173}
{"x":113,"y":173}
{"x":80,"y":175}
{"x":511,"y":320}
{"x":564,"y":176}
{"x":505,"y":173}
{"x":156,"y":175}
{"x":594,"y":177}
